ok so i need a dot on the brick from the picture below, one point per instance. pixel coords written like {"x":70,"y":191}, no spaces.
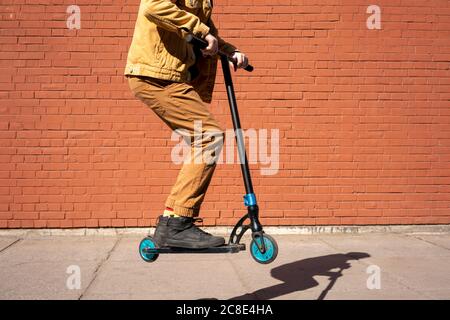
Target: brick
{"x":51,"y":215}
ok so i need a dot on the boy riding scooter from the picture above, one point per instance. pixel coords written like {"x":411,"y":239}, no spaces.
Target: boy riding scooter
{"x":176,"y":81}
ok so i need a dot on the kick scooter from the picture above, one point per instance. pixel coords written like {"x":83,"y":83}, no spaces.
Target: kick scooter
{"x":263,"y":248}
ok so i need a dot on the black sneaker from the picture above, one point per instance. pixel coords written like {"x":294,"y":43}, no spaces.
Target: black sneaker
{"x":181,"y":232}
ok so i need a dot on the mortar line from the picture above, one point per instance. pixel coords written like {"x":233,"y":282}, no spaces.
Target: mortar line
{"x":99,"y":266}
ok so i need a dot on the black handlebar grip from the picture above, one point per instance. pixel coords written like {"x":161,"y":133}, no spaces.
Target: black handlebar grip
{"x":202,"y":44}
{"x":196,"y":41}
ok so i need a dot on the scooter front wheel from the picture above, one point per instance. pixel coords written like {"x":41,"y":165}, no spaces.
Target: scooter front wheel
{"x":271,"y":252}
{"x":147,"y":243}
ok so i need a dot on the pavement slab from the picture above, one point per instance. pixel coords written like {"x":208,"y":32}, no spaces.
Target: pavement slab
{"x":39,"y":268}
{"x":319,"y":266}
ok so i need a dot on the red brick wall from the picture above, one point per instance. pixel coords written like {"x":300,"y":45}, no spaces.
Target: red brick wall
{"x":364,"y":115}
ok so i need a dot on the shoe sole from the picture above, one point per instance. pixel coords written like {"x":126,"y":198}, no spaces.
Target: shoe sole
{"x":196,"y":245}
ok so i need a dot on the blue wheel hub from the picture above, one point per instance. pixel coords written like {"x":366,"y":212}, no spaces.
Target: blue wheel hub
{"x":146,"y":244}
{"x":257,"y":254}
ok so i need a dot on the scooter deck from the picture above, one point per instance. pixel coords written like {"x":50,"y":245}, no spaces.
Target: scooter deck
{"x":229,"y":248}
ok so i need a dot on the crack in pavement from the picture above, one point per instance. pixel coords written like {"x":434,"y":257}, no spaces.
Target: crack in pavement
{"x":427,"y":241}
{"x":242,"y":279}
{"x":398,"y":279}
{"x":99,"y":266}
{"x":10,"y":245}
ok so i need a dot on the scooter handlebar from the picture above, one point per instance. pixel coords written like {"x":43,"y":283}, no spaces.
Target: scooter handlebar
{"x":202,"y":44}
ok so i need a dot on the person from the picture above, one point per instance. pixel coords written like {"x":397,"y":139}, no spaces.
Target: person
{"x":176,"y":81}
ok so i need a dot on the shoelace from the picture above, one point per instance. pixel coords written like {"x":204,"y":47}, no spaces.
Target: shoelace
{"x":196,"y":228}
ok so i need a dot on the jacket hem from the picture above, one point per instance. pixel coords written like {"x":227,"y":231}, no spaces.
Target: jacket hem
{"x":138,"y":69}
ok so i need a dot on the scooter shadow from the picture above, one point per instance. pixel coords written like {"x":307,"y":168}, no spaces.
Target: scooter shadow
{"x":299,"y":275}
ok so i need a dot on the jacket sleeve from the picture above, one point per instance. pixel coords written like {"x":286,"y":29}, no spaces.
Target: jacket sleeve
{"x":167,"y":15}
{"x":223,"y":45}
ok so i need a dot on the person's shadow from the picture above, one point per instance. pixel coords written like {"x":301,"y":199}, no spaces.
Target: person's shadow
{"x":299,"y":275}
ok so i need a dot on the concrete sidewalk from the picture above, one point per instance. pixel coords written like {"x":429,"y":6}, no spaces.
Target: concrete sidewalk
{"x":395,"y":266}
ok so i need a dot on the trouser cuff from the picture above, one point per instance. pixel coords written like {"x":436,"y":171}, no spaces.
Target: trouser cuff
{"x":182,"y":211}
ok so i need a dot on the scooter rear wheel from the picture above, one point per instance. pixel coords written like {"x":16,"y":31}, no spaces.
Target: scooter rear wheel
{"x":147,"y":243}
{"x":271,"y":249}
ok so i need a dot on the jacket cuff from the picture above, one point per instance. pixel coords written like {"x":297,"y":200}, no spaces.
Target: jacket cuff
{"x":228,"y":48}
{"x":201,"y":30}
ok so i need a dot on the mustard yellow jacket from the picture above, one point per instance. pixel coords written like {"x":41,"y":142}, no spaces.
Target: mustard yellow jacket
{"x":158,"y":48}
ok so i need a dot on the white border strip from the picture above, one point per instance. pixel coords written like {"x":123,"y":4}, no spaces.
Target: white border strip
{"x":282,"y":230}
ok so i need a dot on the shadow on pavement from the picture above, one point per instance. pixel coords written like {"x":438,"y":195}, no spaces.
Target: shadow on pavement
{"x":298,"y":275}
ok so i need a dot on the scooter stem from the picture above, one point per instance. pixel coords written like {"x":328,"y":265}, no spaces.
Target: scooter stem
{"x":249,"y":198}
{"x":237,"y":126}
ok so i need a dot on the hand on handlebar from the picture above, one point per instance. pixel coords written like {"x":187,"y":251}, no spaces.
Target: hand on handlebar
{"x":213,"y":46}
{"x":238,"y":60}
{"x":210,"y":44}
